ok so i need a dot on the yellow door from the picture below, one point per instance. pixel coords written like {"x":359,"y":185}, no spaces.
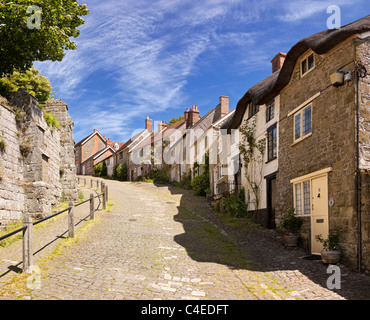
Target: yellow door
{"x":319,"y":213}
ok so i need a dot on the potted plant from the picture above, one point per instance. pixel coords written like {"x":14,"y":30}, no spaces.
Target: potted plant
{"x":291,"y":225}
{"x":331,"y":252}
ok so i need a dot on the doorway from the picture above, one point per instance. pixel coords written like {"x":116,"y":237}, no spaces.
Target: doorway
{"x":319,"y":212}
{"x":271,"y":201}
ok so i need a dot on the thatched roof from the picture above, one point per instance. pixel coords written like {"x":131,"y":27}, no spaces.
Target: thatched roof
{"x":320,"y":43}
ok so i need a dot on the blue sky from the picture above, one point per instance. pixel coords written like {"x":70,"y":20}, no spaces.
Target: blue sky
{"x":156,"y":58}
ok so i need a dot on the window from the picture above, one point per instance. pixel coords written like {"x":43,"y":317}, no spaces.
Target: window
{"x":302,"y":198}
{"x":252,"y":110}
{"x":271,"y":143}
{"x":270,"y":112}
{"x":220,"y":172}
{"x":121,"y":155}
{"x":108,"y":162}
{"x":302,"y":123}
{"x":307,"y":65}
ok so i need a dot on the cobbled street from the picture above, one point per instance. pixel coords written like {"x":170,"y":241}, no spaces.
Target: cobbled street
{"x":161,"y":242}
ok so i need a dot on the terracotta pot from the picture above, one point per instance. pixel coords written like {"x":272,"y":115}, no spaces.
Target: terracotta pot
{"x":291,"y":241}
{"x":330,"y":256}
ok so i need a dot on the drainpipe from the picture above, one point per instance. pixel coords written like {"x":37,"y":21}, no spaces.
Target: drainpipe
{"x":360,"y":73}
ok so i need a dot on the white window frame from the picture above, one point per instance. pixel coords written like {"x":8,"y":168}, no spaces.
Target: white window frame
{"x":301,"y":113}
{"x":303,"y":199}
{"x":220,"y":172}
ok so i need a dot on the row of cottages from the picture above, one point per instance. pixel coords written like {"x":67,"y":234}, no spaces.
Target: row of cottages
{"x":93,"y":149}
{"x":305,"y":140}
{"x":178,"y":149}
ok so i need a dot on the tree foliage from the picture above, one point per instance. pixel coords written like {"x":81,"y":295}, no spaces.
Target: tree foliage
{"x":31,"y":81}
{"x":21,"y":44}
{"x":175,"y":119}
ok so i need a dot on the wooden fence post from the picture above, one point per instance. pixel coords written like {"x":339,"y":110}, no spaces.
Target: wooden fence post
{"x":71,"y":223}
{"x":27,"y":243}
{"x":92,"y":207}
{"x":91,"y":182}
{"x":106,"y":193}
{"x":104,"y":199}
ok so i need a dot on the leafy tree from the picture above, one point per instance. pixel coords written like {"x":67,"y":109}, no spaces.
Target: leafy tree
{"x":31,"y":81}
{"x":175,"y":119}
{"x":29,"y":35}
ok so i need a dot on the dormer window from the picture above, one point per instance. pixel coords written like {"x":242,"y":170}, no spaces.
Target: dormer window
{"x":252,"y":110}
{"x":116,"y":146}
{"x":307,"y":64}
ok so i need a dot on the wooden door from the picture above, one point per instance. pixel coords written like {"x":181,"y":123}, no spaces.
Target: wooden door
{"x":319,"y":212}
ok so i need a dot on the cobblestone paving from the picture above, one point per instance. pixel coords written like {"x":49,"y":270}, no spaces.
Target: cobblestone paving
{"x":160,"y":242}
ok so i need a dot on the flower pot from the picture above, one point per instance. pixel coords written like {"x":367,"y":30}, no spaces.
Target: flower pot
{"x":291,"y":241}
{"x":330,"y":256}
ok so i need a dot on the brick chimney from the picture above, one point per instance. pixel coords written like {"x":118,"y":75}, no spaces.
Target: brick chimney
{"x":186,"y":115}
{"x":278,"y":61}
{"x":193,"y":116}
{"x":161,"y":126}
{"x":96,"y":130}
{"x":224,"y":106}
{"x":149,"y":124}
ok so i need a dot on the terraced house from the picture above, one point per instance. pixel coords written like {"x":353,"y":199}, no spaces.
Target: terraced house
{"x":323,"y":137}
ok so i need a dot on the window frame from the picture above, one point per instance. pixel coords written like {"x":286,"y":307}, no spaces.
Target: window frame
{"x":274,"y":143}
{"x":305,"y":60}
{"x":252,"y":109}
{"x":301,"y":124}
{"x":270,"y":115}
{"x":303,"y":198}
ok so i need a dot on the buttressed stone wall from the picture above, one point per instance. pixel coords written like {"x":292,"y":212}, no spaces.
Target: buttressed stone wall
{"x":33,"y":158}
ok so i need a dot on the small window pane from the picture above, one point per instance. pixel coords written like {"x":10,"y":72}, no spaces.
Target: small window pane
{"x":310,"y":62}
{"x":307,"y":121}
{"x":307,"y":197}
{"x":297,"y":126}
{"x":298,"y":199}
{"x":274,"y":149}
{"x":304,"y":66}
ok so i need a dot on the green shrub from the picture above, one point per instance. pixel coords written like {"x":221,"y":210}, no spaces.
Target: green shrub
{"x":120,"y":172}
{"x":51,"y":120}
{"x":200,"y":185}
{"x":290,"y":222}
{"x":159,"y":175}
{"x":100,"y":170}
{"x":235,"y":207}
{"x":186,"y":180}
{"x":242,"y":194}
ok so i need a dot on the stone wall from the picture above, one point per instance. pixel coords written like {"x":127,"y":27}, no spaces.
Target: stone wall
{"x":363,"y":55}
{"x":30,"y":165}
{"x":67,"y":172}
{"x":12,"y":195}
{"x":332,"y":143}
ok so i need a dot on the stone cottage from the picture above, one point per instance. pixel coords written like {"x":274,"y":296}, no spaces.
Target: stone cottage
{"x":323,"y":137}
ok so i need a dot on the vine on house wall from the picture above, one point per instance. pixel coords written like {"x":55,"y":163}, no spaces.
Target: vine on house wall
{"x":253,"y":153}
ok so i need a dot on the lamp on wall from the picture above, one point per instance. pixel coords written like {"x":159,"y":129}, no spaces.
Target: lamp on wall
{"x":337,"y":78}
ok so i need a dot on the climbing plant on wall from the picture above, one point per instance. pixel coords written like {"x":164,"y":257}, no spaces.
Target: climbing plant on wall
{"x":253,"y":152}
